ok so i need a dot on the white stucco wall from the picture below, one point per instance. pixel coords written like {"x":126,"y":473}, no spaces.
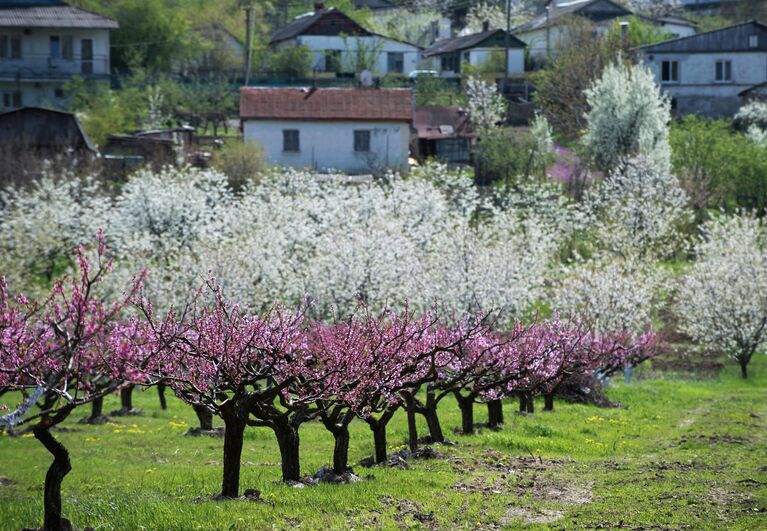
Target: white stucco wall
{"x":319,"y":44}
{"x":329,"y":145}
{"x":36,"y":52}
{"x":678,"y":30}
{"x":697,"y":89}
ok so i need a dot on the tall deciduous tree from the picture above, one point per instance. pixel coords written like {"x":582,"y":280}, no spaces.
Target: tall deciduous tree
{"x":628,"y":117}
{"x":722,"y":299}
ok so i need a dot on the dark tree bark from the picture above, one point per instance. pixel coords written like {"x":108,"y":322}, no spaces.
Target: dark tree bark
{"x":287,"y":439}
{"x":378,"y":427}
{"x":126,"y":401}
{"x":530,"y":402}
{"x":412,"y":429}
{"x":744,"y":366}
{"x":466,"y":404}
{"x":432,"y":419}
{"x":522,"y":402}
{"x":234,"y":431}
{"x":205,"y":417}
{"x":161,"y":394}
{"x":97,"y":409}
{"x":341,"y":450}
{"x":53,"y":479}
{"x":548,"y":402}
{"x":379,"y":441}
{"x":494,"y":413}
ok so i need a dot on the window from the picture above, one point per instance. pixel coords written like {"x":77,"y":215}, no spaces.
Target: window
{"x":395,"y":62}
{"x":12,"y":100}
{"x":290,"y":140}
{"x":10,"y":47}
{"x":362,"y":140}
{"x":451,"y":63}
{"x":86,"y":56}
{"x":723,"y":71}
{"x":67,"y":47}
{"x":332,"y":60}
{"x":669,"y":72}
{"x":58,"y":93}
{"x":55,"y":47}
{"x":753,"y":41}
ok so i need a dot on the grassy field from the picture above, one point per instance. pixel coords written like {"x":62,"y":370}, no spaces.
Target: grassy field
{"x":681,"y":454}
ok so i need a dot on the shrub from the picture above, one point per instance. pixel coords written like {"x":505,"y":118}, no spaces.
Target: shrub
{"x":240,"y":161}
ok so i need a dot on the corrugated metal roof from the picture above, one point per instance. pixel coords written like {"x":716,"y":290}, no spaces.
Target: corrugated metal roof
{"x":468,"y":41}
{"x":62,"y":16}
{"x":730,"y":39}
{"x":326,"y":104}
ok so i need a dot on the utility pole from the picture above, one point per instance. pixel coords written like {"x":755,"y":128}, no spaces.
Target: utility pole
{"x":508,"y":43}
{"x":248,"y":39}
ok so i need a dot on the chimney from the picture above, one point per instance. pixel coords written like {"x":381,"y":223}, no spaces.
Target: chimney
{"x":319,"y":6}
{"x":486,"y":26}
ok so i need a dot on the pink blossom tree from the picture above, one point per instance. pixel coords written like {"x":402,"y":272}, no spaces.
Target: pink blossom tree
{"x":58,"y":353}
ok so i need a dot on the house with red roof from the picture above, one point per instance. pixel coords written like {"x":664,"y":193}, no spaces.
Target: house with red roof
{"x":350,"y":130}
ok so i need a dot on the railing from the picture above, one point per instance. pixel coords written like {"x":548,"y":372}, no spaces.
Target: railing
{"x":43,"y":67}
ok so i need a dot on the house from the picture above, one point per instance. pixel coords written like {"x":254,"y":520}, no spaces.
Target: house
{"x":32,"y":138}
{"x":222,"y":52}
{"x":755,"y":93}
{"x":353,"y":130}
{"x":155,"y":147}
{"x":43,"y":44}
{"x":706,"y":73}
{"x":341,"y":45}
{"x":543,"y":33}
{"x":442,"y":133}
{"x":477,"y":49}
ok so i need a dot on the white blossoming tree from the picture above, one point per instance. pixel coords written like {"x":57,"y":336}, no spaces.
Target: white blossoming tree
{"x":722,"y":299}
{"x":41,"y":225}
{"x":639,"y":208}
{"x":628,"y":116}
{"x":486,"y":106}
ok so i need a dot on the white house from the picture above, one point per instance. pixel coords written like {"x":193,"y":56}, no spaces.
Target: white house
{"x":353,"y":130}
{"x":543,"y":33}
{"x":42,"y":46}
{"x":476,"y":49}
{"x":705,"y":73}
{"x":338,"y":43}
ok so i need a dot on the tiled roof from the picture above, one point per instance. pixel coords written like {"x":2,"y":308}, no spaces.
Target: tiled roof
{"x":61,"y":16}
{"x":326,"y":104}
{"x":468,"y":41}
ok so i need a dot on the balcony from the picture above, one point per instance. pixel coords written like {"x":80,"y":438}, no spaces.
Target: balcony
{"x":44,"y":68}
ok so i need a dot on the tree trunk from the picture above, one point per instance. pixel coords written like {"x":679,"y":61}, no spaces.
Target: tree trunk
{"x":341,"y":450}
{"x":494,"y":413}
{"x":466,"y":403}
{"x":523,"y":402}
{"x":234,"y":432}
{"x":126,"y":398}
{"x":432,"y":419}
{"x":744,"y":368}
{"x":530,"y":402}
{"x":287,"y":438}
{"x":161,"y":394}
{"x":548,"y":402}
{"x":379,"y":441}
{"x":97,"y":408}
{"x":412,"y":429}
{"x":53,"y":479}
{"x":205,"y":417}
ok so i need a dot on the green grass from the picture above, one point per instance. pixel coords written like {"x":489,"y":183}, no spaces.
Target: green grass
{"x":683,"y":453}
